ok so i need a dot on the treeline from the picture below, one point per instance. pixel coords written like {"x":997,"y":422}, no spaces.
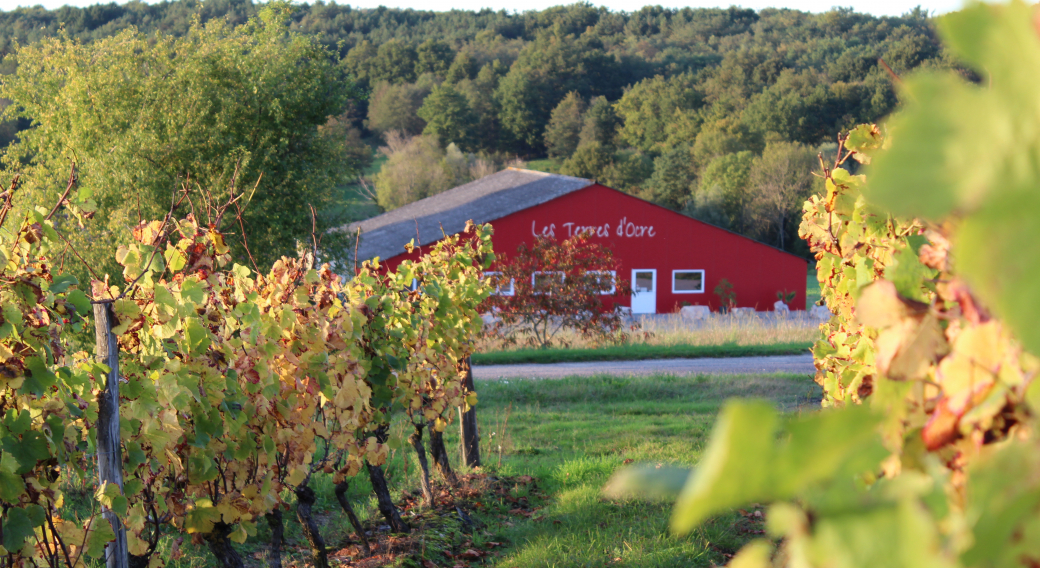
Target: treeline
{"x":675,"y":105}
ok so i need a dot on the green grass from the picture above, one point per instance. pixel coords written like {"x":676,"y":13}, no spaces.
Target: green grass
{"x":571,"y":435}
{"x":353,"y":204}
{"x":632,"y":352}
{"x":544,"y":165}
{"x":812,"y":288}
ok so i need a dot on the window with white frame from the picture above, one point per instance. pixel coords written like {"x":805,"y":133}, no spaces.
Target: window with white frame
{"x":543,"y":282}
{"x":605,"y":281}
{"x":502,"y":286}
{"x":687,"y":281}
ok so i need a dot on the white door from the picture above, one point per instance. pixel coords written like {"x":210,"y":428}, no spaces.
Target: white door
{"x":644,"y":291}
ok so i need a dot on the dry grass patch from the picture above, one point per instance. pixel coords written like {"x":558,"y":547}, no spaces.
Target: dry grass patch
{"x":671,"y":330}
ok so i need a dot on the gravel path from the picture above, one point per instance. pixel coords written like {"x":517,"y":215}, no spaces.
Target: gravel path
{"x":732,"y":365}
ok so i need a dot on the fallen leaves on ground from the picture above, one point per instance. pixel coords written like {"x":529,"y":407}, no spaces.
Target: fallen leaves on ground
{"x":451,"y":534}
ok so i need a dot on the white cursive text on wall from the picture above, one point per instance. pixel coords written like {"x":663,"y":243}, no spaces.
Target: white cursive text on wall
{"x":624,"y":228}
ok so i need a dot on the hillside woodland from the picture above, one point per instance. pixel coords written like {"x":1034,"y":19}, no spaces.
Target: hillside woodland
{"x":718,"y":113}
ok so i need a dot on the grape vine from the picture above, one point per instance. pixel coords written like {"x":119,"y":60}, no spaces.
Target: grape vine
{"x":235,"y":386}
{"x":926,"y":452}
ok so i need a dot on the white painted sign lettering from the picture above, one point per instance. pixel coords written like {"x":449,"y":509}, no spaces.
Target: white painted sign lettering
{"x":624,"y":228}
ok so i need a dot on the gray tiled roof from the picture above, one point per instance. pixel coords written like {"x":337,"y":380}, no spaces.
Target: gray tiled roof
{"x":486,"y":199}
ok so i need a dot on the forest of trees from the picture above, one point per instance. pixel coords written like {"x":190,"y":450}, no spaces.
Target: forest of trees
{"x":717,"y":113}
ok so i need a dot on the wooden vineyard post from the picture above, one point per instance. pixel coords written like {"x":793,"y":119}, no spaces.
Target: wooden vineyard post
{"x":110,"y":459}
{"x":470,"y":437}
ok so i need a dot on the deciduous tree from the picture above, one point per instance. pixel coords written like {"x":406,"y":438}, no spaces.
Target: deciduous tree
{"x":564,"y":128}
{"x":600,"y":123}
{"x":448,"y":116}
{"x":548,"y":68}
{"x":589,"y":161}
{"x":673,"y":180}
{"x":396,"y":107}
{"x":395,"y":62}
{"x":216,"y":108}
{"x":781,"y":180}
{"x":650,"y":105}
{"x":412,"y":171}
{"x":558,"y":285}
{"x":722,"y":197}
{"x":462,"y":67}
{"x":433,"y":56}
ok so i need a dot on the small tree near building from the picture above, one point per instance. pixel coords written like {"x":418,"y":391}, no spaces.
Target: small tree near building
{"x":553,"y":286}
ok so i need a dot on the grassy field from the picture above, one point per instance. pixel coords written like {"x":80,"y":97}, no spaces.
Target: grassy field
{"x":353,"y":203}
{"x":572,"y":434}
{"x":548,"y":448}
{"x":812,"y":288}
{"x":636,"y":352}
{"x":546,"y":165}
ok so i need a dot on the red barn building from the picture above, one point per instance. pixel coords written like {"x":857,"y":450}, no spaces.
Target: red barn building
{"x":671,"y":259}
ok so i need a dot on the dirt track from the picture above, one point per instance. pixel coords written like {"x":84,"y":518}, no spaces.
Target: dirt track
{"x":733,"y":365}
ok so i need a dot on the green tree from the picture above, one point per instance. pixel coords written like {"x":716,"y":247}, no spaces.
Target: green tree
{"x":144,"y":116}
{"x":588,"y":161}
{"x":396,"y":107}
{"x":780,"y":181}
{"x":480,"y":94}
{"x":721,"y":137}
{"x":648,"y":107}
{"x":360,"y":61}
{"x":395,"y":62}
{"x":448,"y":116}
{"x":673,"y":180}
{"x":548,"y":68}
{"x":722,"y":196}
{"x":433,"y":56}
{"x":413,"y":170}
{"x":796,"y":75}
{"x":599,"y":123}
{"x":519,"y":100}
{"x":340,"y":131}
{"x":802,"y":107}
{"x":628,"y":171}
{"x":462,"y":67}
{"x":565,"y":123}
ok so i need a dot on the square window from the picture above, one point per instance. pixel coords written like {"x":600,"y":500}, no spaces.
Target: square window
{"x":543,"y":282}
{"x":604,"y":280}
{"x":687,"y":281}
{"x":502,"y":287}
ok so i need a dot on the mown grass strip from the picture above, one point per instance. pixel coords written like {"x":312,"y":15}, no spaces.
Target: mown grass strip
{"x":572,"y":434}
{"x":637,"y":352}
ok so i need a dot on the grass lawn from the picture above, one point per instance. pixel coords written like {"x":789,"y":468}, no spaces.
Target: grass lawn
{"x":637,"y":351}
{"x":572,"y":434}
{"x":548,"y":447}
{"x":353,"y":204}
{"x":812,"y":288}
{"x":546,"y":165}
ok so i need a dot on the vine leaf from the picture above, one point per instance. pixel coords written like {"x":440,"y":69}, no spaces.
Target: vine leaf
{"x":747,"y":462}
{"x":970,"y":149}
